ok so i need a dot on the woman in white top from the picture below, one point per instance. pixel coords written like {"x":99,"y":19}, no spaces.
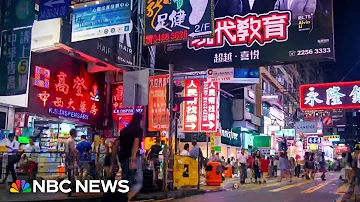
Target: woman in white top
{"x":185,"y":152}
{"x":101,"y":152}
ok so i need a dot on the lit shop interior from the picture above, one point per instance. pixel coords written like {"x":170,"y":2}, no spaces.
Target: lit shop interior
{"x":51,"y":134}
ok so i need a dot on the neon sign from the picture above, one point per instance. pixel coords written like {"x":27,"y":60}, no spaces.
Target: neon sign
{"x":64,"y":98}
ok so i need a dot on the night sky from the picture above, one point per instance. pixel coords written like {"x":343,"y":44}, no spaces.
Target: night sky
{"x":347,"y":41}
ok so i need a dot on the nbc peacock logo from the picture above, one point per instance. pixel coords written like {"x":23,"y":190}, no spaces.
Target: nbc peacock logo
{"x":20,"y":186}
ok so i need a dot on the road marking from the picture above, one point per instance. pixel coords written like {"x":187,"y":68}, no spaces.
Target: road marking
{"x":343,"y":189}
{"x":290,"y":186}
{"x":319,"y":186}
{"x":340,"y":198}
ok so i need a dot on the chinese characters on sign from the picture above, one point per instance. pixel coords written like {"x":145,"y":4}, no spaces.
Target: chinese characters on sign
{"x":66,"y":97}
{"x":191,"y":113}
{"x":342,"y":95}
{"x":332,"y":138}
{"x":248,"y":37}
{"x":210,"y":106}
{"x":177,"y":20}
{"x":158,"y":113}
{"x":15,"y":61}
{"x":117,"y":99}
{"x":20,"y":13}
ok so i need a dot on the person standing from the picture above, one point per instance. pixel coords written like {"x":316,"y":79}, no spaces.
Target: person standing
{"x":12,"y":147}
{"x":31,"y":154}
{"x":276,"y":166}
{"x":196,"y":153}
{"x":292,"y":165}
{"x":153,"y":157}
{"x":322,"y":166}
{"x":264,"y":163}
{"x":101,"y":152}
{"x":84,"y":149}
{"x":257,"y":171}
{"x":283,"y":165}
{"x":250,"y":165}
{"x":242,"y":163}
{"x":127,"y":148}
{"x":185,"y":152}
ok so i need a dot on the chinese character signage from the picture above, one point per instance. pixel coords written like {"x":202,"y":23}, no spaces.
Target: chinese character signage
{"x":247,"y":36}
{"x":61,"y":87}
{"x":177,"y":20}
{"x":191,"y":109}
{"x":332,"y":138}
{"x":158,"y":113}
{"x":342,"y":95}
{"x":117,"y":99}
{"x":314,"y":140}
{"x":14,"y":61}
{"x":101,"y":20}
{"x":210,"y":106}
{"x":18,"y":13}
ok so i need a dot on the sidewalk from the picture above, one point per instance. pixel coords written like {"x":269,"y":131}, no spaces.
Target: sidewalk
{"x":6,"y":196}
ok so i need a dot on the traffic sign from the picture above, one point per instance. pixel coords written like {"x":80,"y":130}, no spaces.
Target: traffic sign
{"x":50,"y":9}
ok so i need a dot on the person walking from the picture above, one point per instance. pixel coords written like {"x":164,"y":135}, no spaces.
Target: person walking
{"x":101,"y":151}
{"x":322,"y":164}
{"x":283,"y":165}
{"x":292,"y":166}
{"x":127,"y":148}
{"x":264,"y":165}
{"x":242,"y":163}
{"x":12,"y":148}
{"x":84,"y":149}
{"x":257,"y":171}
{"x":276,"y":166}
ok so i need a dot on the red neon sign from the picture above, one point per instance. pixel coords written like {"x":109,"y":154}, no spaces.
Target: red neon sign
{"x":69,"y":97}
{"x":341,"y":95}
{"x":210,"y":106}
{"x":192,"y":108}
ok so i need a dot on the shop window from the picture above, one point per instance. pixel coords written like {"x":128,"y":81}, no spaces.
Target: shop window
{"x":250,"y":107}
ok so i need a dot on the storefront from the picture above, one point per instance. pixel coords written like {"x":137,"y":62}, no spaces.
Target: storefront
{"x":62,"y":96}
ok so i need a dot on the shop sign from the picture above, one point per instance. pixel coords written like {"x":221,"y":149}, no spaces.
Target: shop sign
{"x":285,"y":132}
{"x":314,"y":140}
{"x":158,"y":113}
{"x":338,"y":117}
{"x":14,"y":61}
{"x":264,"y":28}
{"x":125,"y":114}
{"x":308,"y":127}
{"x":341,"y":95}
{"x":332,"y":138}
{"x":49,"y":9}
{"x":192,"y":108}
{"x":112,"y":18}
{"x":340,"y":149}
{"x":168,"y":21}
{"x":61,"y":87}
{"x":117,"y":99}
{"x":20,"y":13}
{"x":210,"y":107}
{"x":230,"y":138}
{"x":215,"y":141}
{"x":190,"y":75}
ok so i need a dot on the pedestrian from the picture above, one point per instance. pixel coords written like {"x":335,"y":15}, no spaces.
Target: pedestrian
{"x":298,"y":167}
{"x":264,"y":165}
{"x":101,"y":151}
{"x":312,"y":166}
{"x":214,"y":157}
{"x":153,"y":156}
{"x":31,"y":155}
{"x":292,"y":167}
{"x":250,"y":166}
{"x":283,"y":165}
{"x":196,"y":153}
{"x":276,"y":166}
{"x":71,"y":155}
{"x":12,"y":148}
{"x":257,"y":171}
{"x":322,"y":164}
{"x":242,"y":163}
{"x":127,"y":147}
{"x":84,"y":149}
{"x":185,"y":152}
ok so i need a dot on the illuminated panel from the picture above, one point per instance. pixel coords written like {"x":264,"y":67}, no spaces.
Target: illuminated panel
{"x":42,"y":77}
{"x":342,"y":95}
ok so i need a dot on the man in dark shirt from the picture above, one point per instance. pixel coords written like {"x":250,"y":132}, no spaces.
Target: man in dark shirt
{"x":84,"y":149}
{"x":129,"y":143}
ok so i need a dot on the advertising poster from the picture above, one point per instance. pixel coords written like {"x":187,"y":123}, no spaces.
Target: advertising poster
{"x":61,"y":87}
{"x":125,"y":114}
{"x":158,"y":113}
{"x":169,"y":21}
{"x":191,"y":109}
{"x":186,"y":171}
{"x":210,"y":106}
{"x":15,"y":56}
{"x":341,"y":95}
{"x":247,"y":35}
{"x":101,"y":20}
{"x":20,"y":13}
